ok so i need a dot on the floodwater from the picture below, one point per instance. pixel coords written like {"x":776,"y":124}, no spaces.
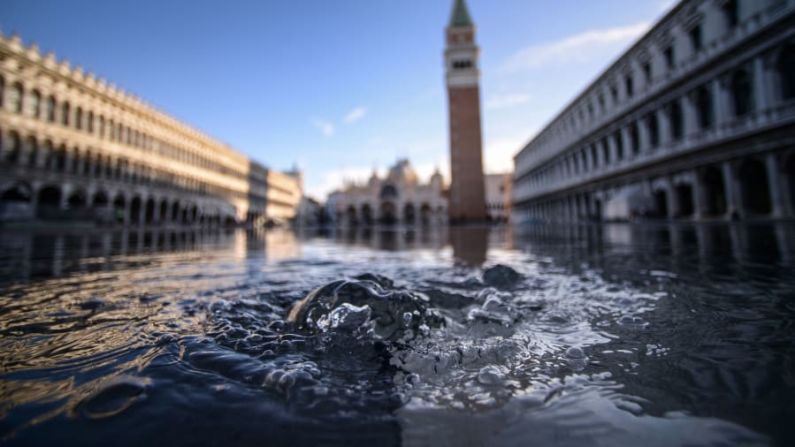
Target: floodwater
{"x":654,"y":335}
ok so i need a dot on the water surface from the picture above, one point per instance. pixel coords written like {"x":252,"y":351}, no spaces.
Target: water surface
{"x":611,"y":335}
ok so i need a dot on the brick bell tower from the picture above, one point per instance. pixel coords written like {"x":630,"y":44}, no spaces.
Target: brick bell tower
{"x":467,"y":187}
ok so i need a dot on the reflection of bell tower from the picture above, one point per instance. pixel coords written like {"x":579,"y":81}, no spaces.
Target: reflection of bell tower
{"x":467,"y":195}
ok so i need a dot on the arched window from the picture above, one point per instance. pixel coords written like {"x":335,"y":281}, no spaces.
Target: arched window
{"x":731,"y":13}
{"x":65,"y":110}
{"x":79,"y":118}
{"x":47,"y":155}
{"x":634,"y":139}
{"x":101,"y":126}
{"x":605,"y":150}
{"x":87,"y":163}
{"x":742,"y":92}
{"x":33,"y":151}
{"x":629,"y":85}
{"x":17,"y":94}
{"x":12,"y":154}
{"x":703,"y":99}
{"x":786,"y":71}
{"x":619,"y":140}
{"x":90,"y":122}
{"x":676,"y":119}
{"x":49,"y":109}
{"x":654,"y":129}
{"x":388,"y":192}
{"x":34,"y":104}
{"x":60,"y":159}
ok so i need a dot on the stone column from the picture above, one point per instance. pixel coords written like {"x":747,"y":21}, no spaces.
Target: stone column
{"x":612,"y":148}
{"x":65,"y":191}
{"x":631,"y":147}
{"x":142,"y":212}
{"x":699,"y":200}
{"x":689,"y":116}
{"x":156,"y":217}
{"x":732,"y":190}
{"x":762,"y":82}
{"x":589,"y":162}
{"x":34,"y":199}
{"x":776,"y":186}
{"x":663,"y":126}
{"x":720,"y":103}
{"x":673,"y":200}
{"x":644,"y":144}
{"x":127,"y":209}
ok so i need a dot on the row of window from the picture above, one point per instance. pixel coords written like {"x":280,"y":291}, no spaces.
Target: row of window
{"x":597,"y":105}
{"x":625,"y":142}
{"x":29,"y":153}
{"x":34,"y":105}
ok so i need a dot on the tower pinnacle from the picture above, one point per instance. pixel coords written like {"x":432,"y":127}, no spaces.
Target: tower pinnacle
{"x":460,"y":17}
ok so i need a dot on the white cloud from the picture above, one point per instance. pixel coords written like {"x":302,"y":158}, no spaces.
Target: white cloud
{"x":498,"y":152}
{"x":334,"y":179}
{"x":505,"y":101}
{"x":355,"y":115}
{"x":578,"y":47}
{"x":325,"y":127}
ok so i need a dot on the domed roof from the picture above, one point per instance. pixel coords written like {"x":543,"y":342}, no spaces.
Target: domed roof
{"x":403,"y":172}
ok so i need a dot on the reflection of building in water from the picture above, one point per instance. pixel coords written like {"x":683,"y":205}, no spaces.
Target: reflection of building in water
{"x":397,"y":198}
{"x":281,"y":244}
{"x":74,"y":147}
{"x":390,"y":239}
{"x":708,"y":247}
{"x":498,"y":197}
{"x":470,"y":244}
{"x":694,"y":121}
{"x":47,"y":253}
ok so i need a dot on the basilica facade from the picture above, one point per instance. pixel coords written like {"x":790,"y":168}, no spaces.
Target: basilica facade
{"x":397,"y":198}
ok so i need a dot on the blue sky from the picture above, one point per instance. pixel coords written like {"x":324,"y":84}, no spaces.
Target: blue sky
{"x":338,"y":87}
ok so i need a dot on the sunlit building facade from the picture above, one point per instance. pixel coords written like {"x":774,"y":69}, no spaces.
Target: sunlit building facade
{"x":73,"y":147}
{"x":284,"y":193}
{"x":695,"y":121}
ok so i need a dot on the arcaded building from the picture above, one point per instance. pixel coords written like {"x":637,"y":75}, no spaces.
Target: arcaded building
{"x":73,"y":147}
{"x":467,"y":195}
{"x":695,"y":121}
{"x":284,"y":194}
{"x":498,"y":197}
{"x":398,"y":198}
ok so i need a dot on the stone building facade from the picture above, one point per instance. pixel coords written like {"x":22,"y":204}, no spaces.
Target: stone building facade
{"x":695,"y":121}
{"x":73,"y":147}
{"x":285,"y":190}
{"x":398,"y":198}
{"x":498,"y":197}
{"x":467,"y":196}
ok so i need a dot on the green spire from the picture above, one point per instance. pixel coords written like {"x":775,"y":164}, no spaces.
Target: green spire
{"x":460,"y":17}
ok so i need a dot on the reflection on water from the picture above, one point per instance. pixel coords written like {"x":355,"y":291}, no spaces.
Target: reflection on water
{"x":620,"y":334}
